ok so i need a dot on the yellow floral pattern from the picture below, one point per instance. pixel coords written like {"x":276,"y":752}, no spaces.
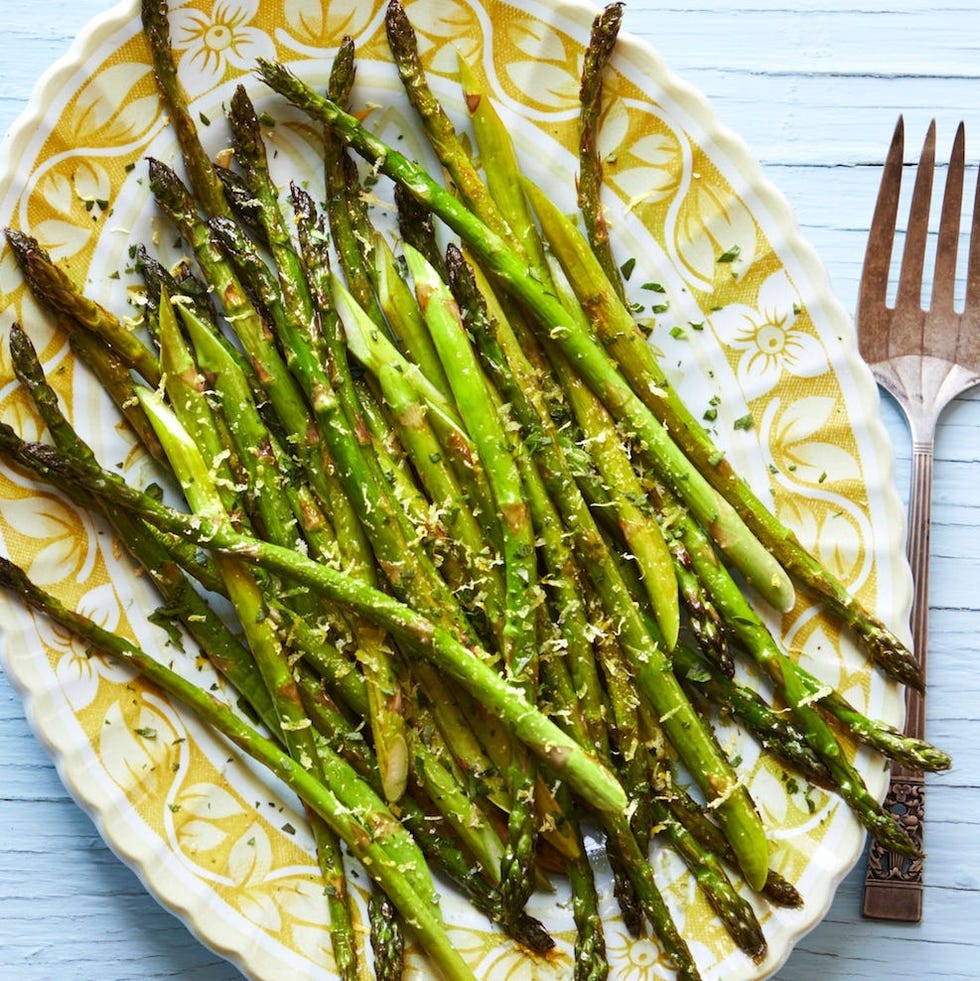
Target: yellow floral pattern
{"x":732,"y":316}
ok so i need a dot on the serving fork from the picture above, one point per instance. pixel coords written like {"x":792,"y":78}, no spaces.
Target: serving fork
{"x":924,"y":357}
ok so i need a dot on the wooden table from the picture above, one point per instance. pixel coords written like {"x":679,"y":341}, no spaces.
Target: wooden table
{"x":814,"y":87}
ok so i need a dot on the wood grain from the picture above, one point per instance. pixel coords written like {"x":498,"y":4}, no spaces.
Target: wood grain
{"x":814,"y":88}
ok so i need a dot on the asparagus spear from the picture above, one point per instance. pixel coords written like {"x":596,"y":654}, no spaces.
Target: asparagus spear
{"x":416,"y":227}
{"x":205,"y":181}
{"x":55,"y":289}
{"x":445,"y":326}
{"x":245,"y":590}
{"x":756,"y":639}
{"x":466,"y":664}
{"x":189,"y":288}
{"x":602,"y":41}
{"x":774,"y":732}
{"x":686,"y":730}
{"x":342,"y":193}
{"x":590,"y":944}
{"x":403,"y":315}
{"x":181,"y":601}
{"x":387,"y":938}
{"x":521,"y":595}
{"x":367,"y":845}
{"x":623,"y":340}
{"x":777,"y":890}
{"x":441,"y":133}
{"x":916,"y":754}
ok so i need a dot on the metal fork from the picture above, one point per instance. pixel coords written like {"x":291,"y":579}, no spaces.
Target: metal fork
{"x":924,"y":358}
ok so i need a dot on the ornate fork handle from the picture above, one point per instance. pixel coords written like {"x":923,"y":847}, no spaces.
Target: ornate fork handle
{"x":893,"y":883}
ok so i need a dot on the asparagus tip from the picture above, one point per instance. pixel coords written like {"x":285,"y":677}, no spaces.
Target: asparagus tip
{"x":14,"y":578}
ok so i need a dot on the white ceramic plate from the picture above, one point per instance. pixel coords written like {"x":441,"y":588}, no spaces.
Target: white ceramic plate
{"x":211,"y":839}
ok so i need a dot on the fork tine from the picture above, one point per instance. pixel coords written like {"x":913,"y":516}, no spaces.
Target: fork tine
{"x":973,"y":262}
{"x":944,"y":281}
{"x":909,"y":294}
{"x":873,"y":287}
{"x":968,"y":349}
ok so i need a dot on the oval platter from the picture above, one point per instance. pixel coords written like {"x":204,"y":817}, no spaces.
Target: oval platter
{"x":759,"y":336}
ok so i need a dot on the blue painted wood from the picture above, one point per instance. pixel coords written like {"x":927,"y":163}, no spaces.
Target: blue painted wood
{"x":814,"y":87}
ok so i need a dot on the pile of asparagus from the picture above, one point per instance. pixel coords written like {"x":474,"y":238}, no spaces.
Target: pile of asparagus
{"x":484,"y":560}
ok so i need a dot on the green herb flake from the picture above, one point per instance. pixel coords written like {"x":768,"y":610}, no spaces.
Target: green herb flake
{"x":678,"y":332}
{"x":822,"y":477}
{"x":174,"y":808}
{"x":811,"y":804}
{"x":267,"y":119}
{"x":147,"y":732}
{"x":730,"y":255}
{"x":627,"y":268}
{"x":696,"y":324}
{"x":710,"y":415}
{"x":654,"y":287}
{"x":204,"y":119}
{"x":289,"y":829}
{"x":660,"y":308}
{"x":745,"y":422}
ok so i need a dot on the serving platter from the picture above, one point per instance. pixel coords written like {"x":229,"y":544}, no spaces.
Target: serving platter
{"x":213,"y":841}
